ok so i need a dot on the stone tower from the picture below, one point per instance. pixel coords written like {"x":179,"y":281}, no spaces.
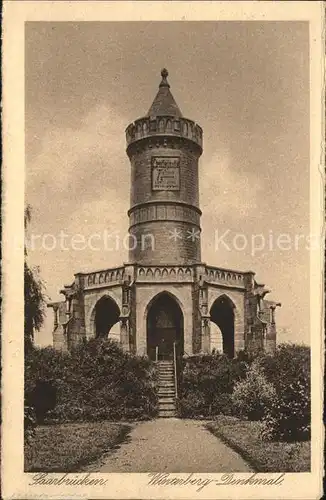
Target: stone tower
{"x":165,"y":301}
{"x":164,"y":148}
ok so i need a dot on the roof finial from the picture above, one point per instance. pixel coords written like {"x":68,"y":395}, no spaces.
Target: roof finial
{"x":164,"y":74}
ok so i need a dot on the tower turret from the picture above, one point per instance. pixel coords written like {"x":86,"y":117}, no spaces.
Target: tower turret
{"x":164,"y":215}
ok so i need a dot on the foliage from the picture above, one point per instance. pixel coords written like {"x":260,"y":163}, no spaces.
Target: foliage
{"x":207,"y":383}
{"x":96,"y":381}
{"x":29,"y":424}
{"x":288,"y":413}
{"x":252,"y":395}
{"x":34,"y":297}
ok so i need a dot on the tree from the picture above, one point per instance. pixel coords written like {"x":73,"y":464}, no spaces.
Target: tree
{"x":33,"y":295}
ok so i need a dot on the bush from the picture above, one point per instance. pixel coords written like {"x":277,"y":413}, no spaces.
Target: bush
{"x":206,"y":385}
{"x":96,"y":381}
{"x":288,"y":413}
{"x":29,"y":424}
{"x":252,"y":395}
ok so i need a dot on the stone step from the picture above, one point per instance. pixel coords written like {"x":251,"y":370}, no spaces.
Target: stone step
{"x":166,"y":400}
{"x":163,"y":402}
{"x":166,"y":386}
{"x":165,"y":391}
{"x":167,"y":407}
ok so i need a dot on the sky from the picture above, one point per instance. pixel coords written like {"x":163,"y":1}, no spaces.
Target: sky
{"x":246,"y":83}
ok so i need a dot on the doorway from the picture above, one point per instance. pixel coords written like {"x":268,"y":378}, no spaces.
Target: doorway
{"x":164,"y":328}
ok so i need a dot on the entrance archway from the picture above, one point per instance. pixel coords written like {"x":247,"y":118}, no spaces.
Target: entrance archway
{"x":107,"y":314}
{"x":222,"y":314}
{"x":164,"y":327}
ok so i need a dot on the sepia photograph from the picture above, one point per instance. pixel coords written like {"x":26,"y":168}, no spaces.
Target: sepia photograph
{"x":167,"y":253}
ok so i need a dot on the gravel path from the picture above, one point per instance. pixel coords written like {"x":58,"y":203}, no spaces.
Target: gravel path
{"x":172,"y":445}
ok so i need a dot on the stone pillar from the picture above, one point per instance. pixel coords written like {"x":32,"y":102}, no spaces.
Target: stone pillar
{"x":249,"y":307}
{"x":270,"y":339}
{"x":124,"y":334}
{"x":205,"y":335}
{"x":126,"y":311}
{"x":239,"y":326}
{"x":55,"y":311}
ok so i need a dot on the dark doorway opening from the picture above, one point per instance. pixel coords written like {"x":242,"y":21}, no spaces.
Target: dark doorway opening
{"x":222,"y":314}
{"x":107,"y":314}
{"x":164,"y":328}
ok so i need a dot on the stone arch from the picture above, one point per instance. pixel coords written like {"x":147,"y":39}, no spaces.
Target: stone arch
{"x":164,"y":273}
{"x":164,"y":319}
{"x":104,"y":316}
{"x":222,"y":313}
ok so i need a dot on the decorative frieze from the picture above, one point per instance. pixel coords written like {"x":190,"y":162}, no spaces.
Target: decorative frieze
{"x":165,"y":273}
{"x":102,"y":278}
{"x":221,"y":276}
{"x":167,"y":125}
{"x":213,"y":275}
{"x":164,"y":211}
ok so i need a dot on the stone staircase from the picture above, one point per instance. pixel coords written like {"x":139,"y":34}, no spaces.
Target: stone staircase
{"x":166,"y":389}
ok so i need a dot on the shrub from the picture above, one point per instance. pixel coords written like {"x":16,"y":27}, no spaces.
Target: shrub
{"x":288,"y":414}
{"x":29,"y":424}
{"x":206,"y":385}
{"x":96,"y":381}
{"x":252,"y":395}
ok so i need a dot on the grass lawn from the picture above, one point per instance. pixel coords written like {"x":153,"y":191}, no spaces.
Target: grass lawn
{"x":67,"y":447}
{"x":243,"y":437}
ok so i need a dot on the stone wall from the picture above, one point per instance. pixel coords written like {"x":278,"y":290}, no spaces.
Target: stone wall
{"x":155,"y":215}
{"x":165,"y":247}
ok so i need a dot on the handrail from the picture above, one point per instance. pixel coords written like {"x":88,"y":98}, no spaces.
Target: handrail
{"x":175,"y":370}
{"x":156,"y":353}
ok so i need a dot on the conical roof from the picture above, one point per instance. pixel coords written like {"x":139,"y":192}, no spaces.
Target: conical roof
{"x":164,"y":103}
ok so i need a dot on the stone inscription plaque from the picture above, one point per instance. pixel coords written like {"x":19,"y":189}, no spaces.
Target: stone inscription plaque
{"x":165,"y":173}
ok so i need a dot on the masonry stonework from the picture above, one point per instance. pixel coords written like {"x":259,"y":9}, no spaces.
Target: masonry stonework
{"x":165,"y":295}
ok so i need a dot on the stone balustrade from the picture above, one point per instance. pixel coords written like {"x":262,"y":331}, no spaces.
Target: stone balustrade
{"x":165,"y":273}
{"x":166,"y":125}
{"x":104,"y":278}
{"x":224,"y":276}
{"x":155,"y":274}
